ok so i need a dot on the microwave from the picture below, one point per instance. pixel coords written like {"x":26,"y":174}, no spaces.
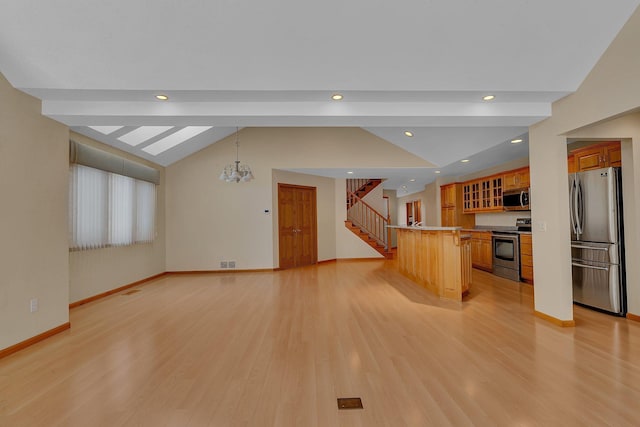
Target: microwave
{"x":516,"y":200}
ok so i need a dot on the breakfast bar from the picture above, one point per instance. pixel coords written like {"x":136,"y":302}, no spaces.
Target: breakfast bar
{"x":437,"y":258}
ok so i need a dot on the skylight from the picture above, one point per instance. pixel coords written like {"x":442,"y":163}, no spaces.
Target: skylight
{"x":142,"y":134}
{"x":106,"y":130}
{"x":174,"y":139}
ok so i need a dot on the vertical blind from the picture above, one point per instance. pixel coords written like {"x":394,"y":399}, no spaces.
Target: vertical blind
{"x":108,"y":209}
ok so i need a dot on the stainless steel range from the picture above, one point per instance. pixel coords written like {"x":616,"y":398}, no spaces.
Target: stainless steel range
{"x":506,"y":254}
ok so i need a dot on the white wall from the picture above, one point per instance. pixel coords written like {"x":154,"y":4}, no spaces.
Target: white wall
{"x":375,"y":199}
{"x":326,"y":213}
{"x":209,"y":220}
{"x":34,"y":251}
{"x":500,"y":219}
{"x":610,"y":90}
{"x":92,"y":272}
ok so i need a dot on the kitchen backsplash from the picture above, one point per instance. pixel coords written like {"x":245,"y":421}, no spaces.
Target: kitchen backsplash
{"x":503,"y":219}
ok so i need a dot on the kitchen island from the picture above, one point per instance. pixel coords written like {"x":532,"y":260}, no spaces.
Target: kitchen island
{"x":437,"y":258}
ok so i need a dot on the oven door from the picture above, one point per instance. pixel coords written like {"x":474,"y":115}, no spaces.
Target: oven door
{"x":506,"y":252}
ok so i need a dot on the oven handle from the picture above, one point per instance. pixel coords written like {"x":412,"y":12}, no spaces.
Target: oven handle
{"x":576,"y":264}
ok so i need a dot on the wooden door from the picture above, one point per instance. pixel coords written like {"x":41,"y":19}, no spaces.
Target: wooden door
{"x":417,"y":211}
{"x":413,"y":212}
{"x":297,"y":225}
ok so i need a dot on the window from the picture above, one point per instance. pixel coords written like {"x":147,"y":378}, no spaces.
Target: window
{"x":107,"y":209}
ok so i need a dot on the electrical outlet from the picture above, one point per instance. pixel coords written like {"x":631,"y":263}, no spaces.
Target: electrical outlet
{"x":223,"y":264}
{"x":542,"y":225}
{"x":33,"y":305}
{"x":232,"y":264}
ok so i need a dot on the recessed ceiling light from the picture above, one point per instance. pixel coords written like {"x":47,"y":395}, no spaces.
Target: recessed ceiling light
{"x":515,"y":141}
{"x":336,"y":97}
{"x":436,"y":172}
{"x":464,"y":161}
{"x":408,"y":133}
{"x":412,"y":180}
{"x":488,"y":97}
{"x":350,"y":172}
{"x":162,"y":97}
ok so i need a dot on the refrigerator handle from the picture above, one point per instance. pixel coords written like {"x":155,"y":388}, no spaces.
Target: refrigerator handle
{"x":612,"y":206}
{"x":572,"y":207}
{"x":593,"y":267}
{"x":592,"y":248}
{"x":579,"y":208}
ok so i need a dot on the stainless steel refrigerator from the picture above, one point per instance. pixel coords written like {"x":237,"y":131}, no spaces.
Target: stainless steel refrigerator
{"x":597,"y":246}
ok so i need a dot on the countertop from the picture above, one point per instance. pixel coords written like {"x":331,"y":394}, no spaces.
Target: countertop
{"x":424,"y":227}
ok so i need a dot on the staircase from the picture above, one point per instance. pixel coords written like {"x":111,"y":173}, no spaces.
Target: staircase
{"x":360,"y":187}
{"x":363,"y":220}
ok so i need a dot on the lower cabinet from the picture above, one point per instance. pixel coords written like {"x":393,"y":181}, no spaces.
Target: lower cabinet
{"x":481,"y":254}
{"x":526,"y":258}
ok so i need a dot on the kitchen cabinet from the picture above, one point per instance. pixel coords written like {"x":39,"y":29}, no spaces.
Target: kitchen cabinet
{"x":516,"y":179}
{"x":451,"y":202}
{"x":481,"y":252}
{"x":597,"y":156}
{"x":571,"y":163}
{"x":448,"y":194}
{"x":483,"y":194}
{"x":526,"y":258}
{"x":471,"y":196}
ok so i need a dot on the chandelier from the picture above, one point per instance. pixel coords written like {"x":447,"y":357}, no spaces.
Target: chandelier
{"x":236,"y":172}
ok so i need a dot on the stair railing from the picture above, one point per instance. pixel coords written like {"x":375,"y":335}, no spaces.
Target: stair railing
{"x":355,"y":184}
{"x":368,"y":220}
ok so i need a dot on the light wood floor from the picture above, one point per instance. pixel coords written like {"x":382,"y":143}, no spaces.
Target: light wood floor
{"x":277,"y":349}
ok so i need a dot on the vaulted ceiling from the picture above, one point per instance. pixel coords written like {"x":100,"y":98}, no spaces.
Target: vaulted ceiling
{"x":419,"y":66}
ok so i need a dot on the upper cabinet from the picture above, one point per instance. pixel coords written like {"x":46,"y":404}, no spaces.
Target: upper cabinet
{"x":483,"y":194}
{"x":448,"y":195}
{"x":516,"y":179}
{"x":596,"y":156}
{"x":451,"y":202}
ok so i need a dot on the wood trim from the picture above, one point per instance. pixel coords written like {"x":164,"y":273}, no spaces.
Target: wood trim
{"x":33,"y":340}
{"x":113,"y":291}
{"x":233,"y":270}
{"x":633,"y":317}
{"x":326,"y":261}
{"x":555,"y":321}
{"x":381,"y":258}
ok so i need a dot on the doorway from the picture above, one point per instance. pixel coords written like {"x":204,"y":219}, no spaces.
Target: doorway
{"x":414,"y":212}
{"x":297,"y":226}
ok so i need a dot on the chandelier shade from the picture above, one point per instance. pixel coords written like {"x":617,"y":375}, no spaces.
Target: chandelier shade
{"x":236,"y":172}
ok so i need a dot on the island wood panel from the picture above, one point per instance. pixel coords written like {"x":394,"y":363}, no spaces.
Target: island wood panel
{"x":440,"y":261}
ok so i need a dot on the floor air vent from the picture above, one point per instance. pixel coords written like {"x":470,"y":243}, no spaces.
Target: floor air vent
{"x":349,"y":403}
